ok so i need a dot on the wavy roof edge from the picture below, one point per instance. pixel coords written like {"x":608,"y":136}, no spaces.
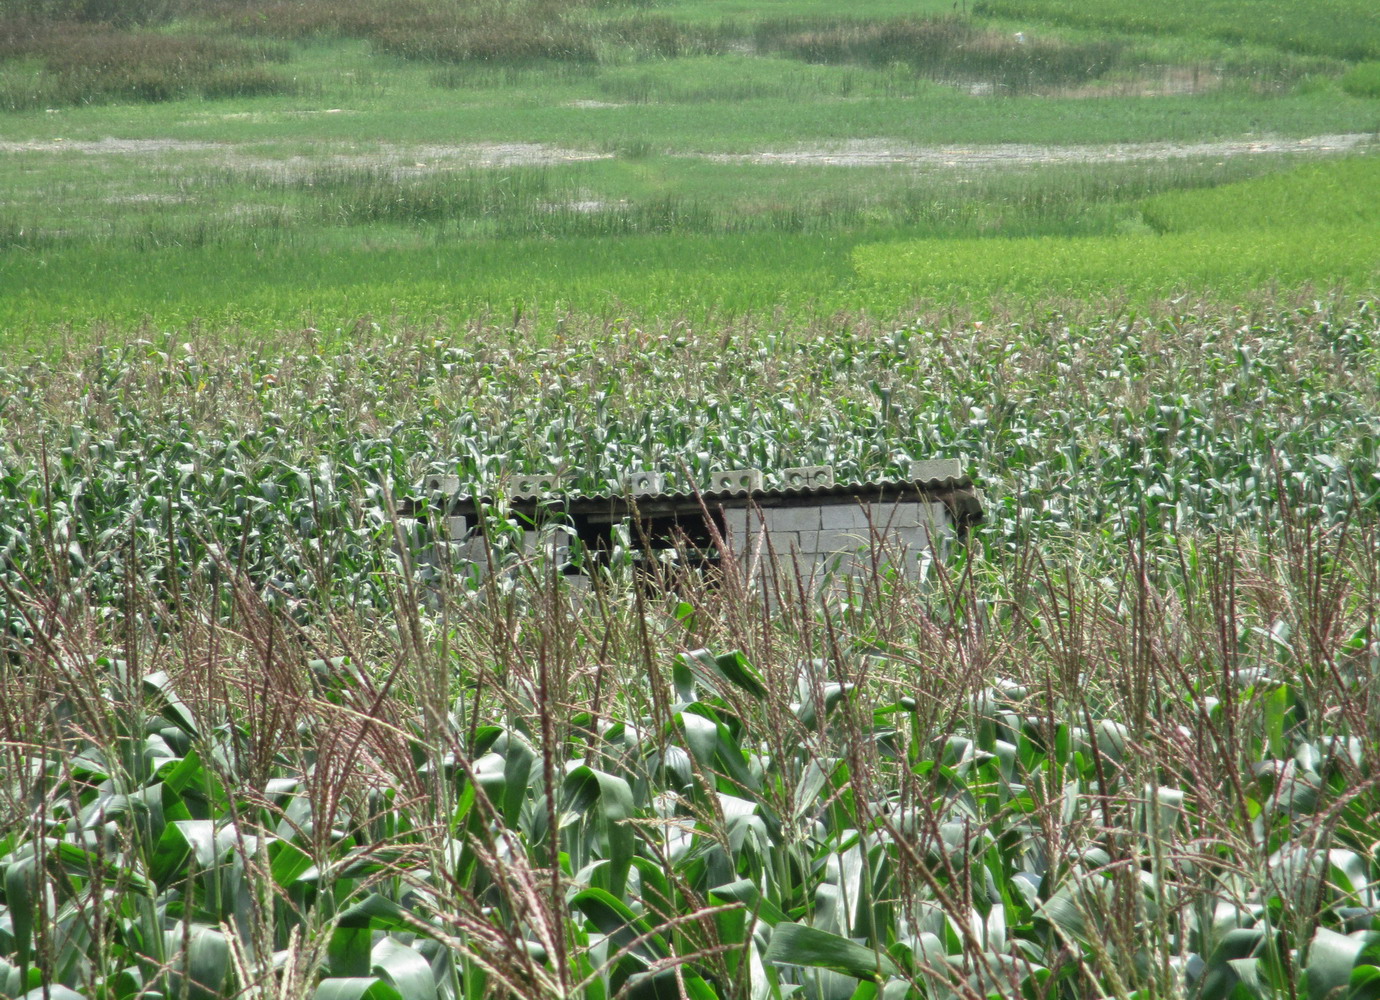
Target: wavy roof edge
{"x":862,"y":489}
{"x":854,"y":487}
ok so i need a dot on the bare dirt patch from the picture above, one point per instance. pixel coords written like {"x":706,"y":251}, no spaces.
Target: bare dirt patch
{"x":107,"y":147}
{"x":1165,"y":81}
{"x":855,"y":153}
{"x":402,"y":160}
{"x":870,"y":152}
{"x":412,"y":161}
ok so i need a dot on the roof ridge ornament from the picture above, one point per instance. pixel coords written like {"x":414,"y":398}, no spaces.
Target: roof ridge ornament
{"x":807,"y":477}
{"x":736,"y":481}
{"x":644,"y":483}
{"x":930,"y":469}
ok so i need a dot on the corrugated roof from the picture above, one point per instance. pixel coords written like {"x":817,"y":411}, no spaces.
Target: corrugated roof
{"x":956,"y":491}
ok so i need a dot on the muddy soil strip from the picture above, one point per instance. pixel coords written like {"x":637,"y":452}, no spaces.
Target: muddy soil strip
{"x":859,"y":153}
{"x":868,"y":153}
{"x":249,"y":155}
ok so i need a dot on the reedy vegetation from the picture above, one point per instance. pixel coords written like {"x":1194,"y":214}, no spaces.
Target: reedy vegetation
{"x":134,"y":59}
{"x":1121,"y":743}
{"x":1346,"y":28}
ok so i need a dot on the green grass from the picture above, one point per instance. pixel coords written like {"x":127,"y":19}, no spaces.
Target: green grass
{"x":1362,"y":80}
{"x":659,"y":239}
{"x":545,"y":111}
{"x":1234,"y":263}
{"x":1317,"y":225}
{"x":747,"y":11}
{"x":671,"y":276}
{"x":194,"y":198}
{"x":1338,"y":194}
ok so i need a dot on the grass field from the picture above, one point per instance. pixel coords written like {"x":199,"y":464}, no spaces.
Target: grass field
{"x":1316,"y":224}
{"x":406,"y":165}
{"x":662,"y":240}
{"x":267,"y":264}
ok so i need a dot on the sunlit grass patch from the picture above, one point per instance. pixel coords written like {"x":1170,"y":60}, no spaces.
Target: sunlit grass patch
{"x":398,"y":277}
{"x":1316,"y":224}
{"x":1230,"y":262}
{"x":1363,"y":80}
{"x":1333,"y":193}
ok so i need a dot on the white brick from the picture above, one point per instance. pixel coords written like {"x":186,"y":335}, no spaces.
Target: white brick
{"x":830,"y":542}
{"x":902,"y":515}
{"x":457,"y":528}
{"x":736,"y":479}
{"x":557,"y":543}
{"x":534,"y":486}
{"x":807,"y":476}
{"x":809,"y":542}
{"x":784,"y":543}
{"x":792,"y":519}
{"x":473,"y":550}
{"x":449,"y":485}
{"x":928,"y":515}
{"x":736,"y":522}
{"x":910,"y":540}
{"x":846,"y":515}
{"x":644,"y":483}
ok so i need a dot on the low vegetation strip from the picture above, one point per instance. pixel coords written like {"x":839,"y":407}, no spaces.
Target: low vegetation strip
{"x":282,"y":243}
{"x":1349,"y":29}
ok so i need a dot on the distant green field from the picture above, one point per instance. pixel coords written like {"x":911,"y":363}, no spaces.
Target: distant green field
{"x":1317,"y":225}
{"x":752,"y":10}
{"x":1231,"y":264}
{"x":262,"y":163}
{"x":495,"y":281}
{"x":694,"y":106}
{"x":656,"y":237}
{"x":1340,"y":193}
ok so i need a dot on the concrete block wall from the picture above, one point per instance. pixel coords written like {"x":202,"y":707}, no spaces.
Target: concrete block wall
{"x":845,"y":538}
{"x":830,"y":536}
{"x":460,"y":548}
